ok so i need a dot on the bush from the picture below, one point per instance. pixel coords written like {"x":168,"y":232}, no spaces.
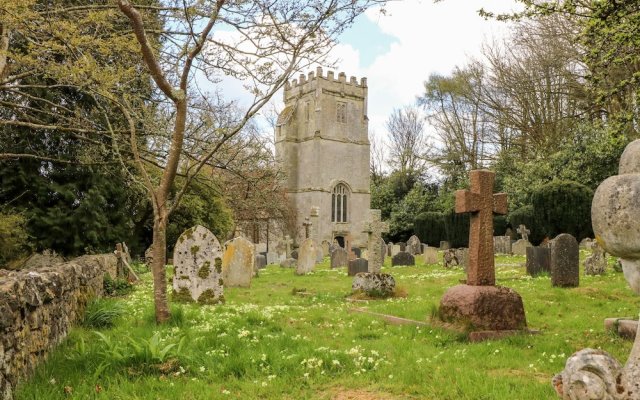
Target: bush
{"x":102,"y":313}
{"x":429,"y":227}
{"x":13,"y":237}
{"x":500,"y":224}
{"x":115,"y":287}
{"x":457,"y":228}
{"x":563,"y":207}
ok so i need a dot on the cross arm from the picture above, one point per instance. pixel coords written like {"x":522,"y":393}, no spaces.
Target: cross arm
{"x":467,"y":201}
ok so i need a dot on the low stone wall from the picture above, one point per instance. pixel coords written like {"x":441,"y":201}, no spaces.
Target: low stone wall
{"x":37,"y":308}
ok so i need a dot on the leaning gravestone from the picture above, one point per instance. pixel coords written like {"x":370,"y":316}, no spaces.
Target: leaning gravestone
{"x":414,"y":246}
{"x":357,"y":265}
{"x":565,"y":263}
{"x":520,"y":247}
{"x":596,"y":263}
{"x":197,"y":258}
{"x":403,"y":258}
{"x":307,"y":257}
{"x":238,"y":262}
{"x":538,"y":260}
{"x":430,"y":255}
{"x":339,"y":258}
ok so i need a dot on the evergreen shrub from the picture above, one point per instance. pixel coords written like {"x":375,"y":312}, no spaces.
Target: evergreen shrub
{"x":429,"y":227}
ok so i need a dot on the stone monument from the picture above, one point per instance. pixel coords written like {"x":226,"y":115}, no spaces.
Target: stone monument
{"x":306,"y":257}
{"x":238,"y":263}
{"x":596,"y":263}
{"x":565,"y":261}
{"x":197,"y":258}
{"x":374,"y":228}
{"x":479,"y":302}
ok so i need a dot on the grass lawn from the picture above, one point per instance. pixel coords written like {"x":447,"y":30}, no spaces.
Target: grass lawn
{"x":271,"y":342}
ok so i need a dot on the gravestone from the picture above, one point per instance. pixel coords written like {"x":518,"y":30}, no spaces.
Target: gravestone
{"x":319,"y":255}
{"x":596,"y":263}
{"x":325,"y":248}
{"x":403,"y":258}
{"x":502,"y":244}
{"x":586,"y":243}
{"x":430,"y":255}
{"x":260,"y":248}
{"x":565,"y":268}
{"x":294,"y":254}
{"x":374,"y":284}
{"x":403,"y":246}
{"x":197,"y":258}
{"x":288,"y":263}
{"x":538,"y":260}
{"x":479,"y":302}
{"x":339,"y":258}
{"x":358,"y":265}
{"x":272,"y":257}
{"x":414,"y":246}
{"x":288,"y":242}
{"x":395,"y":249}
{"x":524,"y":232}
{"x":445,"y":245}
{"x":374,"y":228}
{"x":260,"y":262}
{"x":306,"y":257}
{"x":238,"y":262}
{"x":520,"y":247}
{"x":450,"y":259}
{"x":389,"y":248}
{"x":462,"y":254}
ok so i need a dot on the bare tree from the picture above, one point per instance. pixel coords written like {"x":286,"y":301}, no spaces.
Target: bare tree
{"x":408,"y":143}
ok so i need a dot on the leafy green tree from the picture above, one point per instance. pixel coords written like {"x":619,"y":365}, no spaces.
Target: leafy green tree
{"x":14,"y":239}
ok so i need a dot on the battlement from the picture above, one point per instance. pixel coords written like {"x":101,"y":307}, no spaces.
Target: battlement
{"x":314,"y":77}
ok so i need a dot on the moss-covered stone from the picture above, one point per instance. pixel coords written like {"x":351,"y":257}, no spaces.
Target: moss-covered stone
{"x":204,"y":270}
{"x":209,"y":297}
{"x":218,"y":265}
{"x":194,"y":250}
{"x":182,"y":296}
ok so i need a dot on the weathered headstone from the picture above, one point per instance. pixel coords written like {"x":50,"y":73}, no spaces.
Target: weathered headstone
{"x":520,"y":247}
{"x":596,"y":263}
{"x":479,"y":302}
{"x":403,"y":246}
{"x":414,"y":246}
{"x":462,"y":254}
{"x":538,"y":260}
{"x":430,"y":255}
{"x":325,"y":248}
{"x":395,"y":249}
{"x":288,"y":242}
{"x":403,"y":258}
{"x":339,"y":258}
{"x":565,"y":263}
{"x":374,"y":284}
{"x":319,"y":255}
{"x":260,"y":262}
{"x":450,"y":259}
{"x":374,"y":228}
{"x":502,"y":244}
{"x":524,"y":232}
{"x":357,"y":265}
{"x":272,"y":257}
{"x":197,"y":258}
{"x":445,"y":245}
{"x":294,"y":254}
{"x":238,"y":262}
{"x":306,"y":257}
{"x":586,"y":243}
{"x":288,"y":263}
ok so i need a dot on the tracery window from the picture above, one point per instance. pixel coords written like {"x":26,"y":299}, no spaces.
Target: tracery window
{"x":339,"y":203}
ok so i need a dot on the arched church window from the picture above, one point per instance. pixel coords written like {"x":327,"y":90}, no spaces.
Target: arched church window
{"x":339,"y":203}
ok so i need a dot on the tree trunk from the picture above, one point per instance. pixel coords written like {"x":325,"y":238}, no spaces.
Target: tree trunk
{"x":158,"y":263}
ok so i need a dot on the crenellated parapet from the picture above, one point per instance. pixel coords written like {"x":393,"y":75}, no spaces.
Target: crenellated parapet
{"x":318,"y":80}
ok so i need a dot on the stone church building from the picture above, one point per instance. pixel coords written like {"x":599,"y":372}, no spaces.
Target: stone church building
{"x":322,"y":142}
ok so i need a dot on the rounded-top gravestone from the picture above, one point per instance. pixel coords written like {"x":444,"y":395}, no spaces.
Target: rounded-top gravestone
{"x":565,"y":261}
{"x":197,"y":258}
{"x":414,"y":246}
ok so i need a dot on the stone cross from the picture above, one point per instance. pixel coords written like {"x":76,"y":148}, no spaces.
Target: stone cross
{"x":288,"y":242}
{"x":481,"y":203}
{"x":307,"y":224}
{"x":374,"y":228}
{"x":524,"y":232}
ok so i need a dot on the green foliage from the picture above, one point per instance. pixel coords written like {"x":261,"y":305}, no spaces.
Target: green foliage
{"x":115,"y":287}
{"x":525,"y":216}
{"x":563,"y":207}
{"x":429,"y":227}
{"x":102,"y":313}
{"x":14,"y":240}
{"x":457,"y":228}
{"x":500,"y":223}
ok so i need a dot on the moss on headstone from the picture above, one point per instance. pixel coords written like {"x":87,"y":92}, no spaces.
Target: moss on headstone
{"x":183,"y":296}
{"x":209,"y":297}
{"x":218,"y":265}
{"x":205,"y":270}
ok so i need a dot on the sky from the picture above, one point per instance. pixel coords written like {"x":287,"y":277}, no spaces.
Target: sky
{"x":398,"y":51}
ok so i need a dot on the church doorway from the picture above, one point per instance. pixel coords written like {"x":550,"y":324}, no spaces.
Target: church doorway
{"x":340,"y":240}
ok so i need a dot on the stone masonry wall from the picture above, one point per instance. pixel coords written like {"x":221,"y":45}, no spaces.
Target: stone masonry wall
{"x":37,"y":308}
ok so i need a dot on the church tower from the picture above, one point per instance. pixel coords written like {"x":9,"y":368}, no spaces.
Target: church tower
{"x":322,"y":142}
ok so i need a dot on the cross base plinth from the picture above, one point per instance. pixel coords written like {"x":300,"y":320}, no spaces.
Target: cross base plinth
{"x":483,"y":308}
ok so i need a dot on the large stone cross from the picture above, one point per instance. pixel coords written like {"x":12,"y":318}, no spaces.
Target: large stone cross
{"x":307,"y":224}
{"x":524,"y":232}
{"x":288,"y":242}
{"x":481,"y":203}
{"x":375,"y":228}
